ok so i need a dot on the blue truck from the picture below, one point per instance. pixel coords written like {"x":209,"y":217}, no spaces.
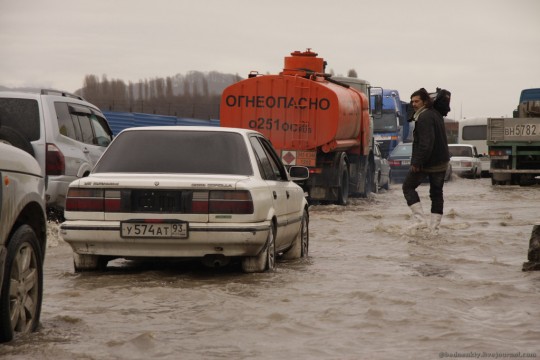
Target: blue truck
{"x":390,"y":126}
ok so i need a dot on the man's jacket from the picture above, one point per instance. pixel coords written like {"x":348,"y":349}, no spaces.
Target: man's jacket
{"x":430,"y":146}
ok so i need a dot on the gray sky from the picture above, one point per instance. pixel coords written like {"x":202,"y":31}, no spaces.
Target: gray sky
{"x":484,"y":51}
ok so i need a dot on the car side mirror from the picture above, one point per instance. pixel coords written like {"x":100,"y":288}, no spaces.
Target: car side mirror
{"x":298,"y":173}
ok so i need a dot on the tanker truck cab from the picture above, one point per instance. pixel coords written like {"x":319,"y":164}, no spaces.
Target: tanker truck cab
{"x":312,"y":120}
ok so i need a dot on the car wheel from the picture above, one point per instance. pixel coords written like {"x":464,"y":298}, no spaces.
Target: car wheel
{"x":266,"y":260}
{"x":22,"y":288}
{"x":85,"y":262}
{"x":300,"y":245}
{"x":13,"y":137}
{"x":376,"y":182}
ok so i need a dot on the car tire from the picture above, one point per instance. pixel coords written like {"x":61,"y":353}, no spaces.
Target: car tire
{"x":23,"y":267}
{"x":376,"y":182}
{"x":86,"y":262}
{"x":13,"y":137}
{"x":300,"y":245}
{"x":266,"y":260}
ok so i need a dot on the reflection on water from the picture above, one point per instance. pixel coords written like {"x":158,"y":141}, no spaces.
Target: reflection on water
{"x":367,"y":291}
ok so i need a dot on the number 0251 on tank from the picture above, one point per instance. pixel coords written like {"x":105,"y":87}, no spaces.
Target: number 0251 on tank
{"x":154,"y":230}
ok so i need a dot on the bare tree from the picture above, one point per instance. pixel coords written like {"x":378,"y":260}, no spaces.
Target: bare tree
{"x":200,"y":98}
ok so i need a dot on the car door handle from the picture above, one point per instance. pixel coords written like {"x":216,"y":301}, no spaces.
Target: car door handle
{"x":288,"y":195}
{"x":275,"y":195}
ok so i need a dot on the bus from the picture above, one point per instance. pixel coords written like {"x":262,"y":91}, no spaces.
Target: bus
{"x":474,"y":131}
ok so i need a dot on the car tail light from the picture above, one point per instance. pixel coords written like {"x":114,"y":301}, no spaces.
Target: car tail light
{"x":466,"y":164}
{"x":85,"y":200}
{"x":230,"y":202}
{"x":500,"y":152}
{"x":113,"y":201}
{"x":55,"y":161}
{"x":199,"y":202}
{"x":394,"y":162}
{"x":222,"y":202}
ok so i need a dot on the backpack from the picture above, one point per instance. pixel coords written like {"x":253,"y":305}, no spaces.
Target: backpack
{"x":441,"y":101}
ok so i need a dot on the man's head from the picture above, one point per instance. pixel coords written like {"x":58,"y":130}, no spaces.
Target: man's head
{"x":421,"y":98}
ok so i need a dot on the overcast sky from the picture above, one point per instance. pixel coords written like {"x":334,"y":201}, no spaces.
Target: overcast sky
{"x":484,"y":51}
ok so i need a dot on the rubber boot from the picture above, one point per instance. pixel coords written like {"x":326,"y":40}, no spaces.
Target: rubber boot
{"x":435,"y":223}
{"x":419,"y":221}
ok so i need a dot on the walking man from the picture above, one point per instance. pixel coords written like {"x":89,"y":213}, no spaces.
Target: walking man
{"x":430,"y":158}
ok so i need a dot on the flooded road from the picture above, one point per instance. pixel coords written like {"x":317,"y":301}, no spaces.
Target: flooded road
{"x":367,"y":291}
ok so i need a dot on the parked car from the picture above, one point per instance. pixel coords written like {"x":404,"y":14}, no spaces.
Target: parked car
{"x":382,"y":170}
{"x":400,"y":162}
{"x":188,"y":192}
{"x":465,"y":160}
{"x":65,"y":134}
{"x":23,"y":237}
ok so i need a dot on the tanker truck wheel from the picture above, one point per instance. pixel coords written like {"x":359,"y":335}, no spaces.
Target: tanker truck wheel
{"x":368,"y":181}
{"x":343,"y":192}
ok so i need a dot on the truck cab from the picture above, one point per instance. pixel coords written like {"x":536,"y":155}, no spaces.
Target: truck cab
{"x":390,"y":126}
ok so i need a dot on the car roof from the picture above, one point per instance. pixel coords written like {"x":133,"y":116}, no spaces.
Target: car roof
{"x":30,"y":94}
{"x":51,"y":93}
{"x":192,"y":128}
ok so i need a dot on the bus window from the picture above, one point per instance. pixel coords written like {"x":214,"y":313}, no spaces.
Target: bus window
{"x":474,"y":132}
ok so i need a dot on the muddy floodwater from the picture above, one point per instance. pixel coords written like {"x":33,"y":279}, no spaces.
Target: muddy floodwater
{"x":367,"y":291}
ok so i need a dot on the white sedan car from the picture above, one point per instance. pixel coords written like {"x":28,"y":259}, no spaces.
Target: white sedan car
{"x":188,"y":192}
{"x":465,"y":160}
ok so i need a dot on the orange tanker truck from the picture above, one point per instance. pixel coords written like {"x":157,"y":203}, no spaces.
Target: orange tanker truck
{"x":312,"y":120}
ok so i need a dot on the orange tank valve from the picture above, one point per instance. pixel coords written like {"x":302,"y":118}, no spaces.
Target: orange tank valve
{"x":301,"y":63}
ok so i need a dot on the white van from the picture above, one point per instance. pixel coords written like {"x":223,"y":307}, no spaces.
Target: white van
{"x":473,"y":131}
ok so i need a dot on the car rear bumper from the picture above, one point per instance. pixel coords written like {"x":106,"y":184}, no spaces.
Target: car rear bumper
{"x":103,"y":238}
{"x":398,"y":174}
{"x":462,"y":171}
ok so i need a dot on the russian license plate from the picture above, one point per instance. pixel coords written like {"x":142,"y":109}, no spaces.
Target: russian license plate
{"x":154,"y":230}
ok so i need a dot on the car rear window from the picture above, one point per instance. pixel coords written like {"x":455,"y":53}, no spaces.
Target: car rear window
{"x":460,"y":151}
{"x":22,"y":115}
{"x":402,"y":150}
{"x":191,"y":152}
